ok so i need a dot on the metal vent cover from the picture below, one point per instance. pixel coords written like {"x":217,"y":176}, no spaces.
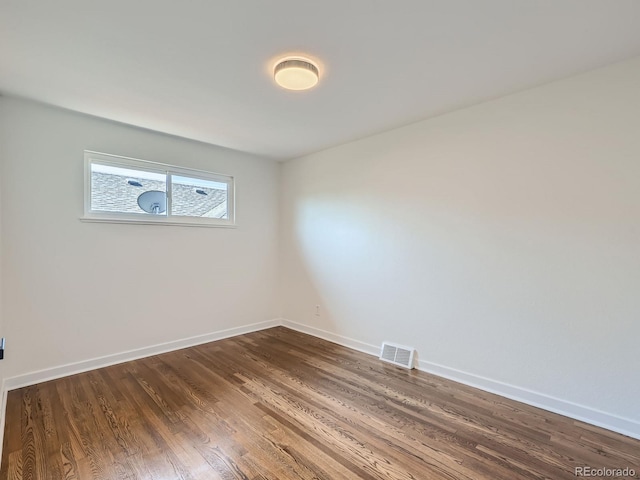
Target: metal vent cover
{"x":397,"y":354}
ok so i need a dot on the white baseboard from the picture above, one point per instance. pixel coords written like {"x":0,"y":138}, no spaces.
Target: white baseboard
{"x":569,"y":409}
{"x":47,"y":374}
{"x":332,"y":337}
{"x":610,"y":421}
{"x":592,"y":416}
{"x":85,"y":365}
{"x":60,"y":371}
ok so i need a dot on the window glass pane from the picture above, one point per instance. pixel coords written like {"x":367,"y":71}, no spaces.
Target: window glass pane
{"x":196,"y":197}
{"x":126,"y":190}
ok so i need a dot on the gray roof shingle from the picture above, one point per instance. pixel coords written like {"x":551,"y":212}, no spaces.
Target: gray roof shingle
{"x":114,"y":193}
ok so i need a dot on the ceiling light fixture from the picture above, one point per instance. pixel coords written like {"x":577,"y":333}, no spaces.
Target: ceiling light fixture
{"x":296,"y":73}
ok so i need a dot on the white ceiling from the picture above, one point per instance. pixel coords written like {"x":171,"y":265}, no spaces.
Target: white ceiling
{"x":202,"y":69}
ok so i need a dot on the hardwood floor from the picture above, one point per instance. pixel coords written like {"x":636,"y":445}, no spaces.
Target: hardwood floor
{"x":279,"y":404}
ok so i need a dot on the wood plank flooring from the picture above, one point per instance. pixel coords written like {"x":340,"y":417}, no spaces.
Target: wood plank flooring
{"x":278,"y":404}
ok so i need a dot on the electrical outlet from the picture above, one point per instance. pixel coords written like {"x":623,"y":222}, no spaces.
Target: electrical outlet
{"x":317,"y":310}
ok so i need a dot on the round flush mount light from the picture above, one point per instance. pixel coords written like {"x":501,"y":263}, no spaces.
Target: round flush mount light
{"x":296,"y":73}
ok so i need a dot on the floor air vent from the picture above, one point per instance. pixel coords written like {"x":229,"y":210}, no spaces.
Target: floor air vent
{"x":397,"y":354}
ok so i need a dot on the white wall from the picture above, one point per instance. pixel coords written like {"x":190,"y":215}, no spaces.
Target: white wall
{"x":2,"y":392}
{"x":75,"y":291}
{"x":502,"y":240}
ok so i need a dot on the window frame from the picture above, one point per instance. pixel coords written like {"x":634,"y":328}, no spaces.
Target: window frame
{"x":168,"y":170}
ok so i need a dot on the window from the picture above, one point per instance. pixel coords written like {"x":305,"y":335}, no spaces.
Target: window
{"x":120,"y":189}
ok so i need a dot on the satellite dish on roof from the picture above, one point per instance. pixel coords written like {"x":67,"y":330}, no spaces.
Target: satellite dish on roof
{"x":153,"y":201}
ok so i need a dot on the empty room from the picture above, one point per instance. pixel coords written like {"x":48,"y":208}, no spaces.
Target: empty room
{"x":357,"y":239}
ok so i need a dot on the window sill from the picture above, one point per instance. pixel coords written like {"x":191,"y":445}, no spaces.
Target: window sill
{"x":179,"y":223}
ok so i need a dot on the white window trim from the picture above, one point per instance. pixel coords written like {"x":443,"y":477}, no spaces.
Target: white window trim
{"x":163,"y":168}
